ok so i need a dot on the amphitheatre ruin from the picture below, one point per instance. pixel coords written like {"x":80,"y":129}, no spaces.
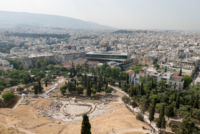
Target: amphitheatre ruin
{"x":50,"y":113}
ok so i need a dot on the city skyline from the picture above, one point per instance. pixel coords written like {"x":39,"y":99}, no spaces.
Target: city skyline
{"x":160,"y":15}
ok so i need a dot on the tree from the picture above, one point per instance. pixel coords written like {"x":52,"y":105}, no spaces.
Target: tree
{"x":187,"y":81}
{"x":19,"y":89}
{"x":63,"y":91}
{"x":161,"y":84}
{"x":127,"y":79}
{"x":7,"y":96}
{"x":71,"y":86}
{"x":88,"y":89}
{"x":187,"y":126}
{"x":152,"y":111}
{"x":165,"y":69}
{"x":93,"y":91}
{"x":196,"y":102}
{"x":106,"y":84}
{"x":161,"y":120}
{"x":180,"y":72}
{"x":170,"y":110}
{"x":177,"y":101}
{"x":85,"y":129}
{"x":142,"y":90}
{"x":46,"y":80}
{"x":2,"y":88}
{"x":35,"y":88}
{"x":79,"y":89}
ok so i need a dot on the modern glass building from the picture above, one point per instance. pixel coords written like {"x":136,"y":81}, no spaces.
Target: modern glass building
{"x":107,"y":56}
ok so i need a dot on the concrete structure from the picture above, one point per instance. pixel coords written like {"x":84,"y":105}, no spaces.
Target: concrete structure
{"x":107,"y":56}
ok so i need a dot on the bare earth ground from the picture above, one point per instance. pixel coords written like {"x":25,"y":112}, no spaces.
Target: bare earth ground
{"x":135,"y":133}
{"x":9,"y":130}
{"x":116,"y":117}
{"x":26,"y":117}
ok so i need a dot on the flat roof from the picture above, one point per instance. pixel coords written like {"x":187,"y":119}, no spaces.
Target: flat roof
{"x":108,"y":53}
{"x":109,"y":59}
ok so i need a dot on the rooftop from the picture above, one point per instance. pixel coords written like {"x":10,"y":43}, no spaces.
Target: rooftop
{"x":108,"y":53}
{"x":175,"y":75}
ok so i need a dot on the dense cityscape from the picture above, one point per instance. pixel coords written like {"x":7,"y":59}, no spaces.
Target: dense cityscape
{"x":155,"y":70}
{"x":99,"y":67}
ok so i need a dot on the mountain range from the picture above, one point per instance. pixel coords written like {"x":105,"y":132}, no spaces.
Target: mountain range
{"x":28,"y":20}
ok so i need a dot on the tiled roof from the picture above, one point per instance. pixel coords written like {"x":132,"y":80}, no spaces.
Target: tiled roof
{"x":131,"y":72}
{"x":176,"y":76}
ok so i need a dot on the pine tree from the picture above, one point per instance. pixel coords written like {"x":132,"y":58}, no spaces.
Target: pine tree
{"x":141,"y":90}
{"x":88,"y":88}
{"x":85,"y":129}
{"x":177,"y":101}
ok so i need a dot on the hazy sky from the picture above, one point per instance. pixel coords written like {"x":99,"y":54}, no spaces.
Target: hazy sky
{"x":127,"y":14}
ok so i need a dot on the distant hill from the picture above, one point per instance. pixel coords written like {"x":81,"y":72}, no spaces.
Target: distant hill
{"x":30,"y":20}
{"x":123,"y":31}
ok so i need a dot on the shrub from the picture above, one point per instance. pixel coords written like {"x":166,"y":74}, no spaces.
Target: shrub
{"x":109,"y":90}
{"x":1,"y":100}
{"x":125,"y":99}
{"x":64,"y":87}
{"x":93,"y":91}
{"x":134,"y":104}
{"x":7,"y":95}
{"x":140,"y":117}
{"x":79,"y":89}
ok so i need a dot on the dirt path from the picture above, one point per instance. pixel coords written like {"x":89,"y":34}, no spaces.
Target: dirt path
{"x":19,"y":102}
{"x":123,"y":131}
{"x":20,"y":129}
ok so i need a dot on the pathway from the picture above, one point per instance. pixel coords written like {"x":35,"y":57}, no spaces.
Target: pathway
{"x":137,"y":110}
{"x":19,"y":102}
{"x":44,"y":94}
{"x":20,"y":129}
{"x":123,"y":131}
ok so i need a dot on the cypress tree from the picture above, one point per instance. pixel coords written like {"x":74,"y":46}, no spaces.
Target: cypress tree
{"x":163,"y":123}
{"x":161,"y":120}
{"x":165,"y":69}
{"x":152,"y":111}
{"x":85,"y":129}
{"x":170,"y":110}
{"x":127,"y":79}
{"x":39,"y":86}
{"x":88,"y":89}
{"x":196,"y":102}
{"x":119,"y":83}
{"x":106,"y":84}
{"x":141,"y":90}
{"x":180,"y":72}
{"x":177,"y":101}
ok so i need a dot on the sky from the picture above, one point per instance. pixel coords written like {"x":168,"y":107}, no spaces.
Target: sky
{"x":123,"y":14}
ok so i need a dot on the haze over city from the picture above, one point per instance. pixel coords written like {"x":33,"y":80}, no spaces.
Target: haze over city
{"x":129,"y":14}
{"x":99,"y":67}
